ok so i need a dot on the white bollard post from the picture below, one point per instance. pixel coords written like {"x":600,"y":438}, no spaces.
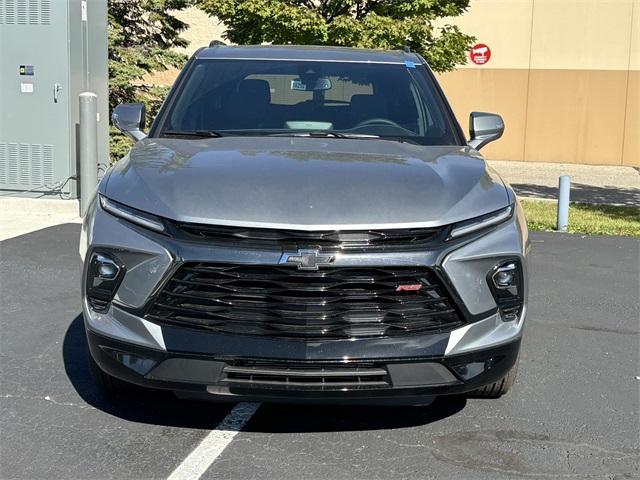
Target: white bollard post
{"x":564,"y":192}
{"x":88,"y":151}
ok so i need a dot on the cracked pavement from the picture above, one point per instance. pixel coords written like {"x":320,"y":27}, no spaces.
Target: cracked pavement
{"x":573,"y":412}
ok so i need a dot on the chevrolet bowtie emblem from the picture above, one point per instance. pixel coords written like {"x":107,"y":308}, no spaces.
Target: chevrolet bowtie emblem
{"x":307,"y":259}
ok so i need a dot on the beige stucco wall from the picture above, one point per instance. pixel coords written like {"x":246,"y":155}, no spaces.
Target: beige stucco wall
{"x":564,"y":75}
{"x":202,"y":29}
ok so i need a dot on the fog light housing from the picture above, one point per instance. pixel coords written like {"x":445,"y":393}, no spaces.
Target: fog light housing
{"x":466,"y":371}
{"x":138,"y":364}
{"x":506,"y":283}
{"x":104,"y":275}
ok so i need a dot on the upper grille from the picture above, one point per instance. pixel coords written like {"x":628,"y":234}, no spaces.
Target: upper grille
{"x":402,"y":238}
{"x":281,"y":301}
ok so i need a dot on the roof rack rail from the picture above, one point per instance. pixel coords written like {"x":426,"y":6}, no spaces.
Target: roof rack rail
{"x":217,"y":43}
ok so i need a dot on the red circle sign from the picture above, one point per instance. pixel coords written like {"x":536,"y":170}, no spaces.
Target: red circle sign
{"x":480,"y":54}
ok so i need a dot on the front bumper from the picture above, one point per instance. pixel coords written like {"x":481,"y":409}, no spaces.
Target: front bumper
{"x":150,"y":258}
{"x":405,"y":380}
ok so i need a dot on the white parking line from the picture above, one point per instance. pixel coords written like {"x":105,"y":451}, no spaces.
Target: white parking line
{"x":210,"y":448}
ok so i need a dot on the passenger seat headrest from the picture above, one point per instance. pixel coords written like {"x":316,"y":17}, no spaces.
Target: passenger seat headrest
{"x":256,"y":88}
{"x":365,"y":107}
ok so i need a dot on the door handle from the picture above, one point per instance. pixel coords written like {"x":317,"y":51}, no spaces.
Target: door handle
{"x":57,"y":89}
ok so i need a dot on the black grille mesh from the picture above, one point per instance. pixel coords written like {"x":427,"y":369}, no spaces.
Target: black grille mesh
{"x":281,"y":301}
{"x":266,"y":374}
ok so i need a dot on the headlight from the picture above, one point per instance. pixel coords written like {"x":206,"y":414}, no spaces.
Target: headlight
{"x":132,"y":215}
{"x":480,"y":223}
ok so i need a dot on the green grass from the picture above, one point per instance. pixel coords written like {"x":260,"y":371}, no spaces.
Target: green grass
{"x":583,"y":218}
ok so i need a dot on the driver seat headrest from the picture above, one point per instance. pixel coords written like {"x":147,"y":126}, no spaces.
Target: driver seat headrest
{"x":366,"y":107}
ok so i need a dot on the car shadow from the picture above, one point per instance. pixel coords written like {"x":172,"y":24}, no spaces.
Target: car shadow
{"x":159,"y":407}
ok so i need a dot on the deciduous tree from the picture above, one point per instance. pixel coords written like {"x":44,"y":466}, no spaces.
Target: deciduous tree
{"x":386,"y":24}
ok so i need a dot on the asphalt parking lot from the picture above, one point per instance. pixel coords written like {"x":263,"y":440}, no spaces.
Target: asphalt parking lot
{"x":573,"y":412}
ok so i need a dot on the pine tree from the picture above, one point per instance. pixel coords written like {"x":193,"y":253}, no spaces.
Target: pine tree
{"x":142,"y":37}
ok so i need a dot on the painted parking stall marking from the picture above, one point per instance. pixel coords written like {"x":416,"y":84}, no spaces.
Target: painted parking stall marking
{"x":210,"y":448}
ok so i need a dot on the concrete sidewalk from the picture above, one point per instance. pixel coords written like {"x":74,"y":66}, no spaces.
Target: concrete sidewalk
{"x":589,"y":183}
{"x":23,"y":215}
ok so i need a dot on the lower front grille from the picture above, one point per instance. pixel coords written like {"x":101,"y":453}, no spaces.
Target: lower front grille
{"x":305,"y":377}
{"x":284,"y":302}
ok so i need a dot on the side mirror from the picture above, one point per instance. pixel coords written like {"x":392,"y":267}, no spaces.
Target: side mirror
{"x":129,"y":118}
{"x":484,"y":128}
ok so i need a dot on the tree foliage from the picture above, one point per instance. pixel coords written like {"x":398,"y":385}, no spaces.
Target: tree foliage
{"x":142,"y":35}
{"x":385,"y":24}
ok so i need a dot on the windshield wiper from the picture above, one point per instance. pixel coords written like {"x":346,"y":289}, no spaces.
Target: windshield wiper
{"x":401,"y":139}
{"x":324,"y":134}
{"x":193,"y":133}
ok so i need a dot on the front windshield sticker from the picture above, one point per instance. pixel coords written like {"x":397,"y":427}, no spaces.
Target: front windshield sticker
{"x":298,"y":85}
{"x":409,"y":64}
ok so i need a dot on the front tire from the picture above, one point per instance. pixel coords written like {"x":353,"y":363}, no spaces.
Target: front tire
{"x":499,"y":388}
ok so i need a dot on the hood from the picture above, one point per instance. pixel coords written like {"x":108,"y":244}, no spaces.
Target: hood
{"x":305,"y":183}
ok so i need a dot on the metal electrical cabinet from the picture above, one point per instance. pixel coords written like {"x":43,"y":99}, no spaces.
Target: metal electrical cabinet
{"x":50,"y":51}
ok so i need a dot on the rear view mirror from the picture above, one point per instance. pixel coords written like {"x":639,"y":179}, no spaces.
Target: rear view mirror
{"x":484,"y":128}
{"x":130,"y":118}
{"x":321,"y":83}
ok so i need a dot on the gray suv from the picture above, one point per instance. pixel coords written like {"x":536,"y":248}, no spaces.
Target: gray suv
{"x":305,"y":224}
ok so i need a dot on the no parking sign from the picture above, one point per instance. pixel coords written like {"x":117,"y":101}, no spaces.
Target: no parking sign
{"x":480,"y":54}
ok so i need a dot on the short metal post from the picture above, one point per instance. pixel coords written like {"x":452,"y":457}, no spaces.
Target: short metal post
{"x":88,"y":148}
{"x":564,"y":191}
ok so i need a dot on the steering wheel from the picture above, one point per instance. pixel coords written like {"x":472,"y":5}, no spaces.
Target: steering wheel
{"x":377,"y":121}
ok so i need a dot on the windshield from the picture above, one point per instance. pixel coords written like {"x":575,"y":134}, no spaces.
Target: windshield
{"x":338,"y":99}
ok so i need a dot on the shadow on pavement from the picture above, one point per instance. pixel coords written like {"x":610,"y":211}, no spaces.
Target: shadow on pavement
{"x":159,"y":407}
{"x":583,"y":193}
{"x":155,"y":407}
{"x":280,"y":418}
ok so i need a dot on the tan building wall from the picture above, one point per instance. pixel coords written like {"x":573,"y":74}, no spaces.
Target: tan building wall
{"x":564,"y":74}
{"x":202,"y":29}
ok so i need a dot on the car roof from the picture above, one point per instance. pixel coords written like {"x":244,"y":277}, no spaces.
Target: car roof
{"x":306,"y":53}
